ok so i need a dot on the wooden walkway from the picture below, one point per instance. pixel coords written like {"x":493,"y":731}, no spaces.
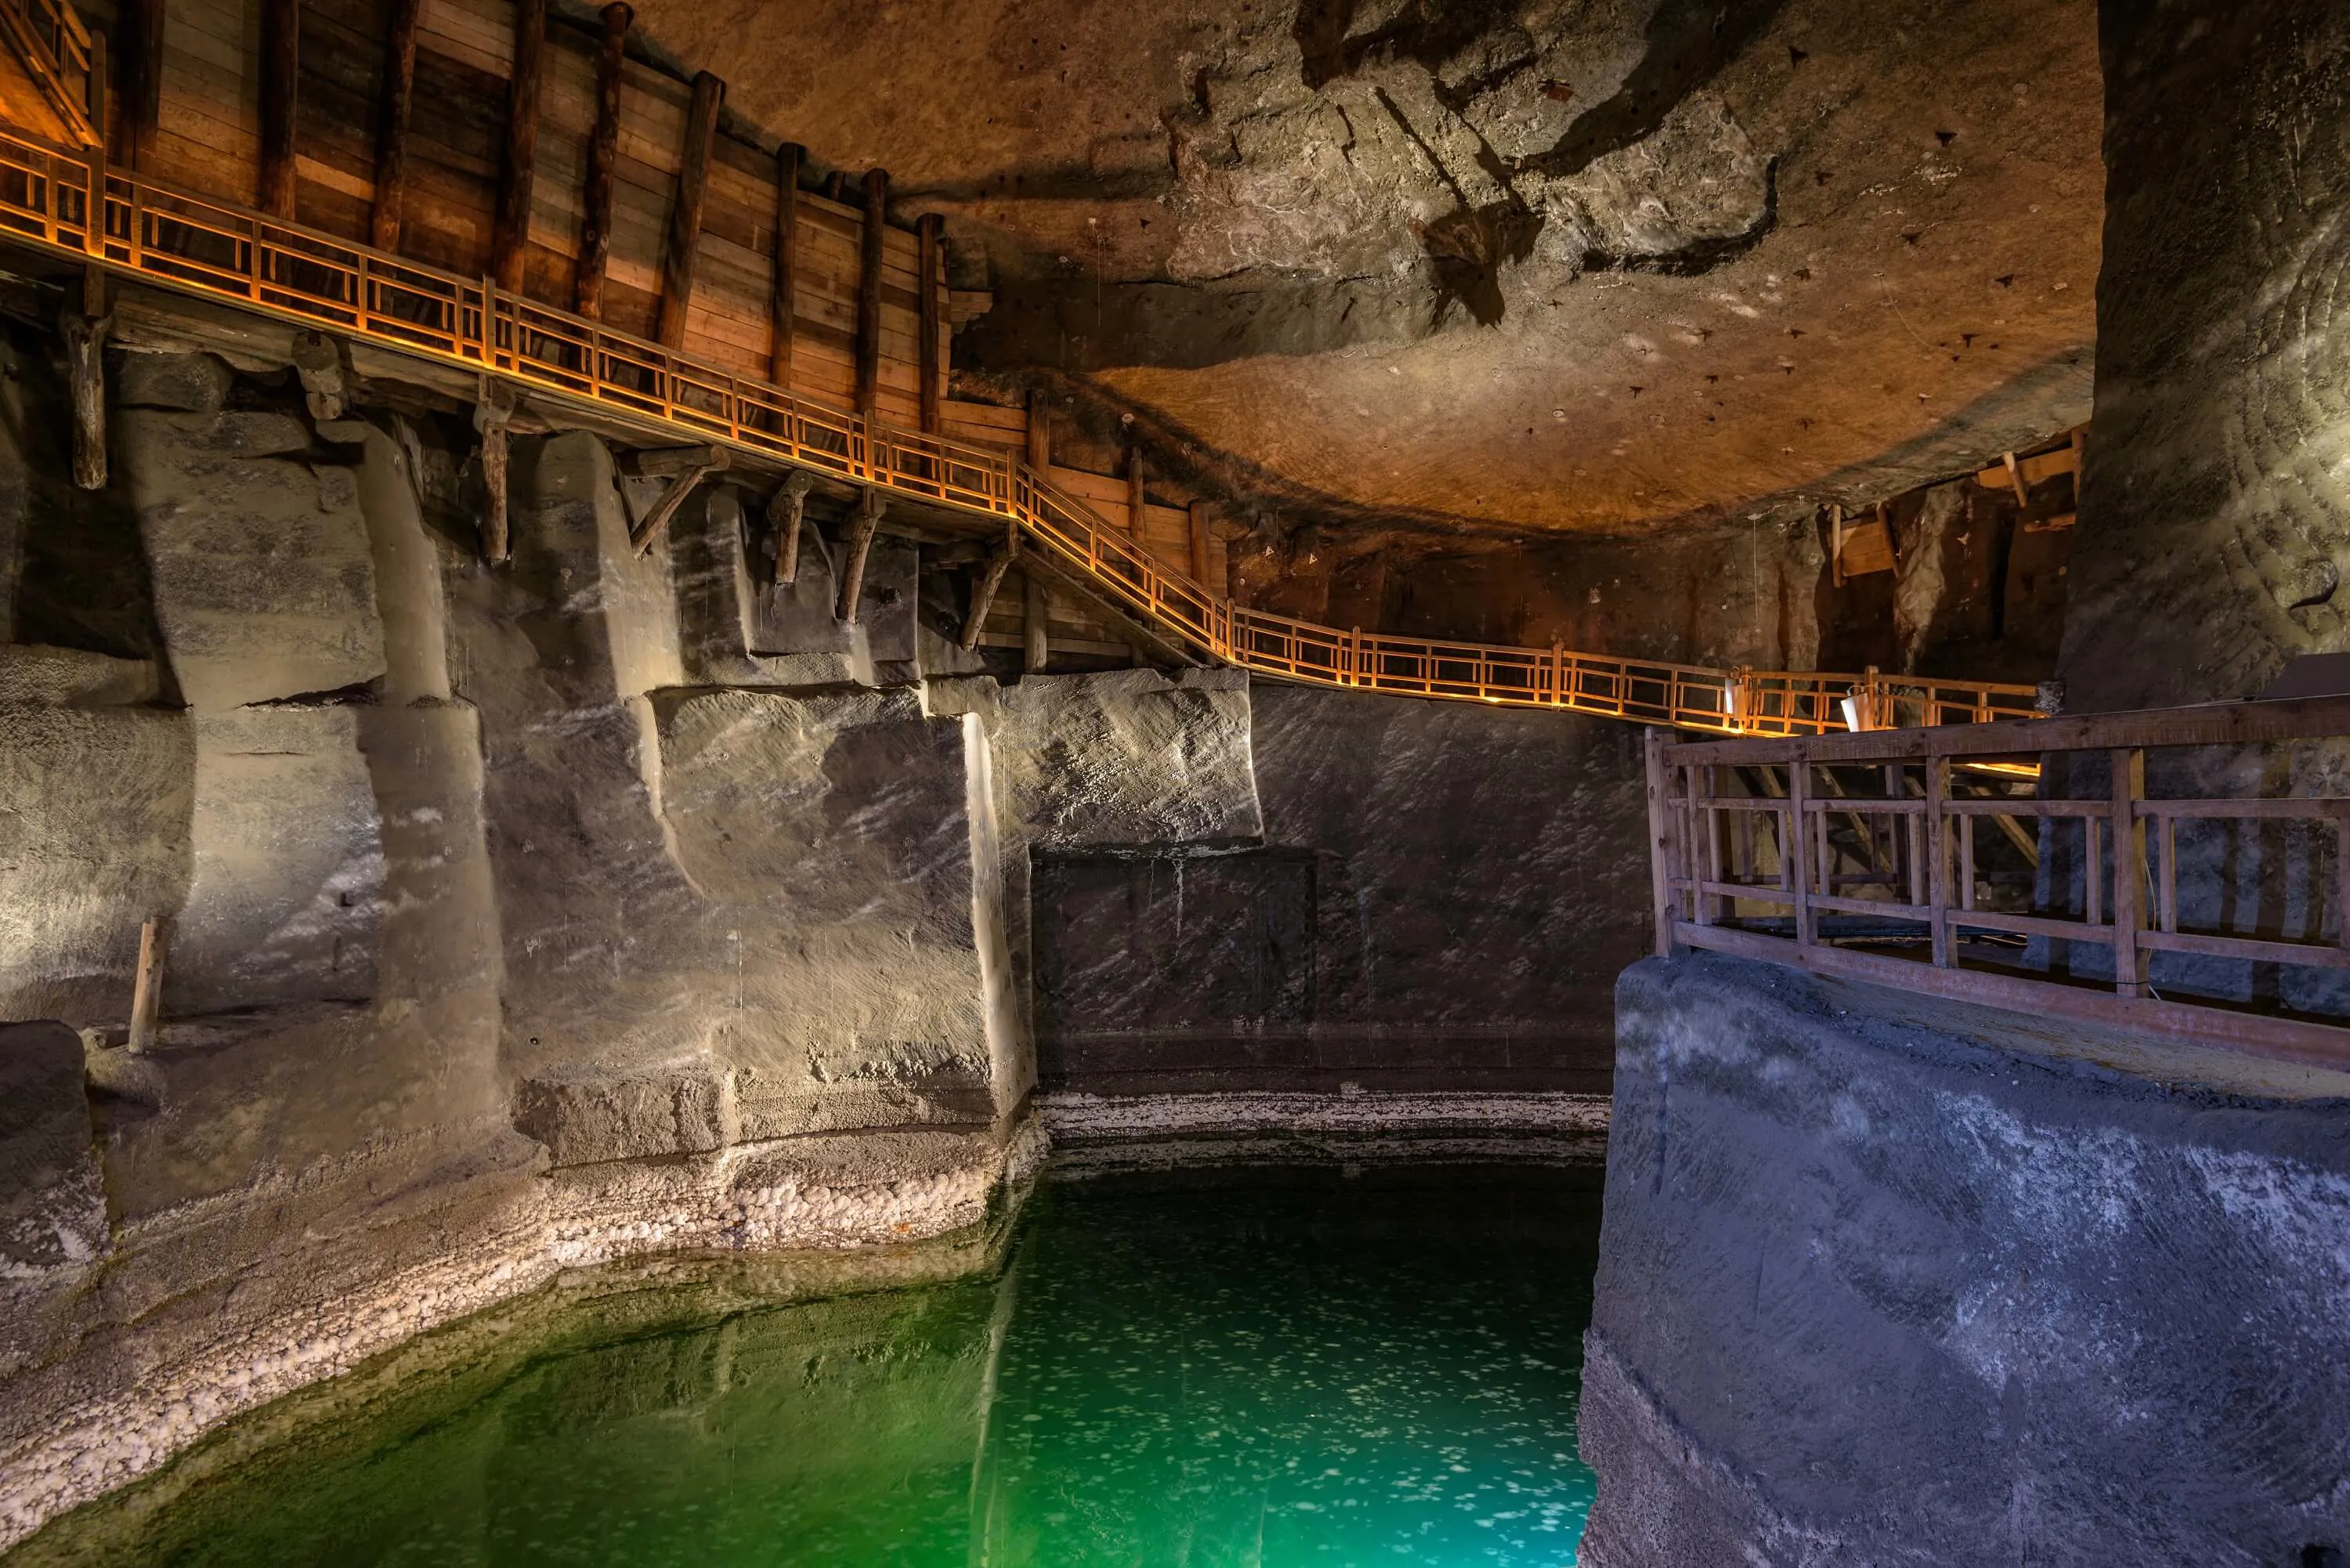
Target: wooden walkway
{"x":1868,"y":856}
{"x":72,"y":204}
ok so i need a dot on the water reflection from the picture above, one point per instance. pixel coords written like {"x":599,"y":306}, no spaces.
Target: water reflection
{"x":1262,"y":1369}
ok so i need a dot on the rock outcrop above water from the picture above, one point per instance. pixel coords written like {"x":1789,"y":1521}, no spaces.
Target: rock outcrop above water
{"x":1889,"y":1281}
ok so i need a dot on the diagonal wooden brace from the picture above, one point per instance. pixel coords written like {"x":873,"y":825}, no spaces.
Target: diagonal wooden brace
{"x":982,"y":593}
{"x":860,"y":542}
{"x":690,"y":470}
{"x":786,"y":515}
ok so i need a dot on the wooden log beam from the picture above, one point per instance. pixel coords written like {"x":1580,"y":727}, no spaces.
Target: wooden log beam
{"x":930,"y":289}
{"x":391,"y":135}
{"x":511,"y":237}
{"x":982,"y":593}
{"x":668,"y":462}
{"x":147,"y":985}
{"x":788,"y":158}
{"x":860,"y":544}
{"x":85,"y":342}
{"x":1040,"y":433}
{"x":1134,"y":498}
{"x":686,"y":216}
{"x":281,"y":80}
{"x":869,"y":291}
{"x":786,"y":515}
{"x":603,"y":162}
{"x":318,"y":363}
{"x":139,"y":30}
{"x":494,"y":408}
{"x":1198,"y":520}
{"x":1036,"y":608}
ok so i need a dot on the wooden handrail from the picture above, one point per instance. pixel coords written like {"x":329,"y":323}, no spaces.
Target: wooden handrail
{"x":65,"y":202}
{"x":1757,"y":872}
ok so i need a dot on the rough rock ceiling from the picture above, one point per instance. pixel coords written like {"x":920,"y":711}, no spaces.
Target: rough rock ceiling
{"x":1556,"y":265}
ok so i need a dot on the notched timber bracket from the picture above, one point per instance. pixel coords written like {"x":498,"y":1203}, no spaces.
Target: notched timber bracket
{"x":494,"y":410}
{"x":85,"y":335}
{"x":982,"y":593}
{"x":786,"y":515}
{"x":325,"y":379}
{"x":870,"y":507}
{"x":686,"y":467}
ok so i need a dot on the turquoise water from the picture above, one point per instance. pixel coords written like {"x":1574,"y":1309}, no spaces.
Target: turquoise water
{"x":1272,"y":1369}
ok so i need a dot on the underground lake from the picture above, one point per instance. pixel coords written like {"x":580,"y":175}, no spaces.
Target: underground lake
{"x":1267,"y":1366}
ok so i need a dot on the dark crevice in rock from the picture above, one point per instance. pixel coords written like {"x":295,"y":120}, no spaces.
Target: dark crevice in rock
{"x":1700,"y":256}
{"x":1429,"y":33}
{"x":1468,"y":247}
{"x":1689,"y":41}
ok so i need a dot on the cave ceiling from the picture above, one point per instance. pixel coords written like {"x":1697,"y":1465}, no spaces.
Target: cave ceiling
{"x":1590,"y":265}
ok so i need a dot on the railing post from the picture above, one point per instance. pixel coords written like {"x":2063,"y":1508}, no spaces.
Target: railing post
{"x":1706,"y":818}
{"x":2129,"y":871}
{"x":1938,"y":859}
{"x":1660,"y":842}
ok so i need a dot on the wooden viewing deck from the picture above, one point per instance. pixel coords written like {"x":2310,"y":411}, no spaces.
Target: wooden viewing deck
{"x":1857,"y":855}
{"x":69,"y":200}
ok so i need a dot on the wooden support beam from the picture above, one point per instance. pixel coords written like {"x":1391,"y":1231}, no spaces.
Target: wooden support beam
{"x":319,"y":362}
{"x":685,"y":215}
{"x":1036,"y":608}
{"x":668,"y":462}
{"x":2015,"y":478}
{"x":869,"y":291}
{"x":1134,"y":498}
{"x":860,"y":544}
{"x":785,"y":276}
{"x":139,"y":32}
{"x":2127,"y":833}
{"x":786,"y":515}
{"x":1199,"y":542}
{"x":281,"y":79}
{"x":603,"y":164}
{"x":982,"y":593}
{"x":85,"y":341}
{"x":147,"y":985}
{"x":511,"y":237}
{"x":712,"y":459}
{"x":391,"y":135}
{"x":929,"y":286}
{"x":1040,"y":432}
{"x":494,"y":406}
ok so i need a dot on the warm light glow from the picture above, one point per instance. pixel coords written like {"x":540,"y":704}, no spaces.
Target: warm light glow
{"x":2005,"y":770}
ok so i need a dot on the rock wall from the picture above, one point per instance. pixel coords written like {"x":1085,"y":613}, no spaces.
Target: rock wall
{"x":1439,"y":897}
{"x":1887,"y":1280}
{"x":2215,"y":520}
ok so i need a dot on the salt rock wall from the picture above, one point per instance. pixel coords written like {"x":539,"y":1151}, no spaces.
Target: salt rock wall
{"x":1887,"y":1280}
{"x":2215,"y":520}
{"x":1406,"y":918}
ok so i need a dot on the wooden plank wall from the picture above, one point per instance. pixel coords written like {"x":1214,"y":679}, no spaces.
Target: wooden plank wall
{"x":209,"y":140}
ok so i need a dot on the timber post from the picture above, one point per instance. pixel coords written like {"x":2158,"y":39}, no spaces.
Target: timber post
{"x":85,"y":334}
{"x":494,"y":409}
{"x":1035,"y":609}
{"x":929,"y":257}
{"x":786,"y":515}
{"x":1199,"y":521}
{"x":982,"y":593}
{"x":146,"y":986}
{"x":869,"y":291}
{"x":686,"y":216}
{"x":392,"y":142}
{"x":870,"y":507}
{"x":512,"y":239}
{"x":281,"y":87}
{"x":139,"y":24}
{"x":789,"y":157}
{"x":603,"y":162}
{"x":1134,"y":497}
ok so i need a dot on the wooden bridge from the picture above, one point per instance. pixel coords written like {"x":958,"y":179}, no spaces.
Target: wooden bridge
{"x":61,"y":195}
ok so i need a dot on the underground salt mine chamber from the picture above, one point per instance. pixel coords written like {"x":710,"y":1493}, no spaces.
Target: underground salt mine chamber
{"x":1210,"y":783}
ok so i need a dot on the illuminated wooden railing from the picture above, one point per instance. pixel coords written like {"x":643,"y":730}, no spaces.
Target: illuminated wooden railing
{"x":64,"y":202}
{"x":49,"y":40}
{"x":1858,"y":856}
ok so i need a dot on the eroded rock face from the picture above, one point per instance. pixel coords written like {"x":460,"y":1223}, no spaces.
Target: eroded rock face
{"x":52,"y":1202}
{"x":2215,"y":518}
{"x":2106,"y":1273}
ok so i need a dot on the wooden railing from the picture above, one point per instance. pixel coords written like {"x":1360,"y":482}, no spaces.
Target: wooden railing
{"x":49,"y":40}
{"x":1913,"y":858}
{"x":74,"y":203}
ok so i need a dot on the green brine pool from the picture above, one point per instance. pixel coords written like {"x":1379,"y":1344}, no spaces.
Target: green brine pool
{"x":1258,"y":1368}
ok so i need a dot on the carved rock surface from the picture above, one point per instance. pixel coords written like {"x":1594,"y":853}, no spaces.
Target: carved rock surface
{"x":52,"y":1200}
